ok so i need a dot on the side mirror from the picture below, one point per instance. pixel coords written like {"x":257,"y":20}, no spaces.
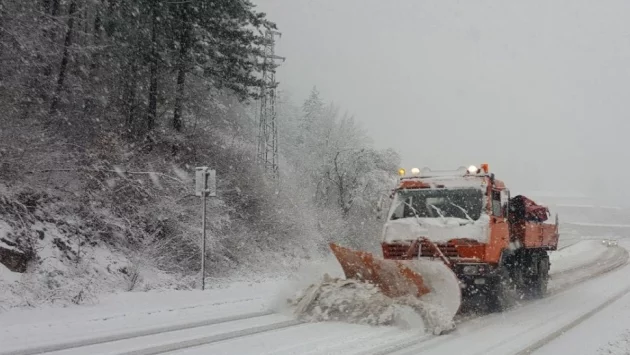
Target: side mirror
{"x":382,"y":207}
{"x":557,"y":224}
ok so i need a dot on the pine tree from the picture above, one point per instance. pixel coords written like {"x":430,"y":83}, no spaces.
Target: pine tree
{"x":221,"y":41}
{"x":312,"y":108}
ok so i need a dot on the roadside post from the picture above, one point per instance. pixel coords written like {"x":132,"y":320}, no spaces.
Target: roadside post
{"x":205,"y":185}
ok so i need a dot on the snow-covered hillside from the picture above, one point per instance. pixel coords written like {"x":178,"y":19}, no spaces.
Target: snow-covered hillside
{"x":65,"y":254}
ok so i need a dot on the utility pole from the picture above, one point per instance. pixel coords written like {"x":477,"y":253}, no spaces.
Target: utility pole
{"x":268,"y":126}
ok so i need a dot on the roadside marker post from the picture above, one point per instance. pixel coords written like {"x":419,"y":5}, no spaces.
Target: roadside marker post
{"x":205,"y":186}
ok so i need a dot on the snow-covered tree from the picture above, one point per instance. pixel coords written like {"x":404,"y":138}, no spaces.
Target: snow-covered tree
{"x":333,"y":157}
{"x":312,"y":109}
{"x":137,"y":58}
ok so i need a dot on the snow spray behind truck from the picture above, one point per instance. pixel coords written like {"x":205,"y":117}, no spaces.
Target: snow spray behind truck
{"x":458,"y":237}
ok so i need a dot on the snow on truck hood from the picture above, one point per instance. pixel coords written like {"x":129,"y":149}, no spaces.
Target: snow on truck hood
{"x":437,"y":229}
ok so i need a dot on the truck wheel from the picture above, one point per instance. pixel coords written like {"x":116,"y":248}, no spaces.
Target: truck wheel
{"x":496,"y":301}
{"x":538,"y":281}
{"x":498,"y":297}
{"x":542,"y":278}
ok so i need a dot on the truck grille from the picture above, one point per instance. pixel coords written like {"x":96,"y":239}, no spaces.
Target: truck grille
{"x":399,"y":250}
{"x":396,"y":251}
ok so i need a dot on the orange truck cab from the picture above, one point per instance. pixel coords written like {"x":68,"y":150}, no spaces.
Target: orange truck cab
{"x":492,"y":242}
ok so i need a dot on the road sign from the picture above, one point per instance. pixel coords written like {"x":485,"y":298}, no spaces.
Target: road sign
{"x":205,"y":181}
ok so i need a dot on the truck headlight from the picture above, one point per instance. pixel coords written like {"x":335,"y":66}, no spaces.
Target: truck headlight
{"x":470,"y":270}
{"x":480,"y":281}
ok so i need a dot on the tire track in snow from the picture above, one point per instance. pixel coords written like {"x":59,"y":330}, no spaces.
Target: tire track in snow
{"x":542,"y":342}
{"x":164,"y":310}
{"x":391,"y":348}
{"x":160,"y":349}
{"x":135,"y":334}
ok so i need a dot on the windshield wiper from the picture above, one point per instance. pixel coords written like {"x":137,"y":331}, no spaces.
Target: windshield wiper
{"x":463,"y":210}
{"x":439,"y":211}
{"x":415,"y":213}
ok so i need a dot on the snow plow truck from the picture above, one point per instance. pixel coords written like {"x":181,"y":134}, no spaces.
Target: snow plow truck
{"x":458,"y":238}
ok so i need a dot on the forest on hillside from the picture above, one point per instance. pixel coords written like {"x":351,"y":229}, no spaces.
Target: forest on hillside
{"x":107,"y":107}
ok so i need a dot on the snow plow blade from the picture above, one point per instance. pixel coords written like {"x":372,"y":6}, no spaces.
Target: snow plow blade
{"x":392,"y":277}
{"x":428,"y":280}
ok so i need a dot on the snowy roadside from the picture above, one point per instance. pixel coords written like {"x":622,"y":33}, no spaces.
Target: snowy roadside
{"x":576,"y":255}
{"x":124,"y":312}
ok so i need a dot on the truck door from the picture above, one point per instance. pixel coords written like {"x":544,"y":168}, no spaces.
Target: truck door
{"x":499,"y":229}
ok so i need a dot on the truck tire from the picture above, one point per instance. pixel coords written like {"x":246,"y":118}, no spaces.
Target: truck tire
{"x":541,"y":278}
{"x":536,"y":274}
{"x":496,"y":301}
{"x":498,"y":297}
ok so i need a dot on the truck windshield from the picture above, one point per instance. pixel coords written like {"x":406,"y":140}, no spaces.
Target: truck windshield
{"x":438,"y":203}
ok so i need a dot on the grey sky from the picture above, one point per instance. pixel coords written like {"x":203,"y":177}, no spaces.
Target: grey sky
{"x":436,"y":79}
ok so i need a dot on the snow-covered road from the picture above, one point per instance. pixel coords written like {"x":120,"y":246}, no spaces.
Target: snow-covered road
{"x":240,"y":319}
{"x":606,"y":332}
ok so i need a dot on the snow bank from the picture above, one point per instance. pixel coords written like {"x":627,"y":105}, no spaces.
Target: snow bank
{"x":335,"y":299}
{"x":125,"y":305}
{"x":581,"y":253}
{"x":306,"y":275}
{"x":7,"y":276}
{"x":345,"y":300}
{"x":72,"y":262}
{"x":62,"y":275}
{"x":314,"y":298}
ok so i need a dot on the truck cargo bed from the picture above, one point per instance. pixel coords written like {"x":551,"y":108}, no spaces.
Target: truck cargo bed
{"x":535,"y":235}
